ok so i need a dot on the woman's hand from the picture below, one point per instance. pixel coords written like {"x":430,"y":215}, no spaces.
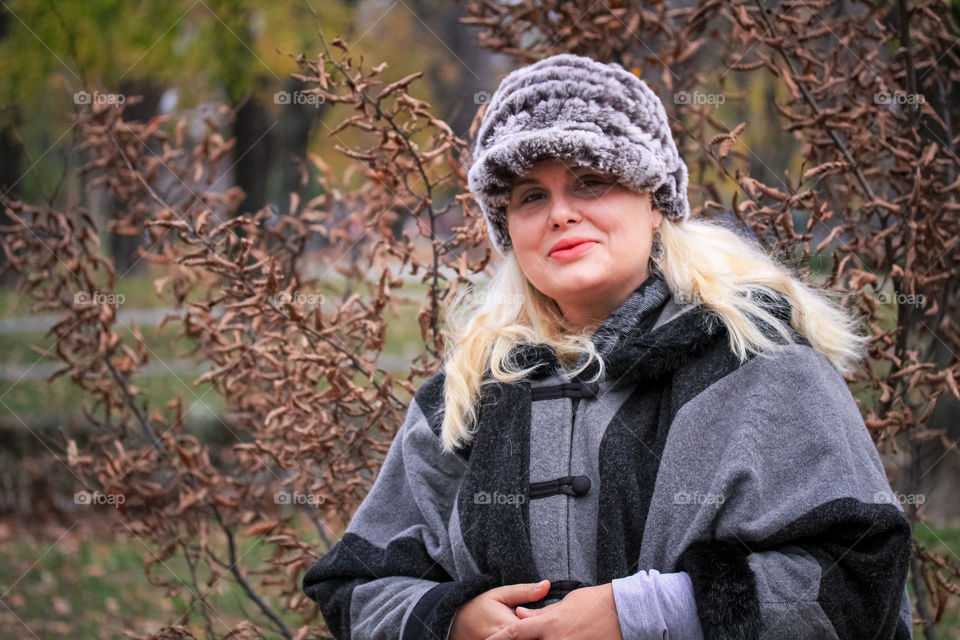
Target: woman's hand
{"x":492,"y":610}
{"x":585,"y":613}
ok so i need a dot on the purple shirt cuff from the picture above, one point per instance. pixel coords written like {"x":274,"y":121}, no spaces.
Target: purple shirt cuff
{"x":653,"y":605}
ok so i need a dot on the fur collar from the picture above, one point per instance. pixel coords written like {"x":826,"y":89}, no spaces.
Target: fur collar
{"x":642,"y":352}
{"x":632,"y":349}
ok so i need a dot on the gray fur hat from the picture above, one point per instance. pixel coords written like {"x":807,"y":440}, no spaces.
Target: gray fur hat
{"x":575,"y":108}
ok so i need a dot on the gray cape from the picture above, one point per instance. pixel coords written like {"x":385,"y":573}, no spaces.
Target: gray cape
{"x":759,"y":479}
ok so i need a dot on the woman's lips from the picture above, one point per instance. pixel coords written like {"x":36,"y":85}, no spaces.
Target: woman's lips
{"x":572,"y":252}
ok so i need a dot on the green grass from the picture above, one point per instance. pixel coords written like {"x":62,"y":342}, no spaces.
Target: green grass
{"x":21,"y":348}
{"x":939,"y":540}
{"x":29,"y":347}
{"x":73,"y":588}
{"x":37,"y":397}
{"x":137,"y":290}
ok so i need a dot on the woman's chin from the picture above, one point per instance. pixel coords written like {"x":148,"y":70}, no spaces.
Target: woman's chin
{"x":579,"y":284}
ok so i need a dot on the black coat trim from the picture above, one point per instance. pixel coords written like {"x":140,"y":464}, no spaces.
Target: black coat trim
{"x":418,"y":623}
{"x":353,"y":561}
{"x":634,"y":439}
{"x":864,"y":553}
{"x":724,"y":588}
{"x":498,"y":533}
{"x":863,"y":550}
{"x":433,"y":614}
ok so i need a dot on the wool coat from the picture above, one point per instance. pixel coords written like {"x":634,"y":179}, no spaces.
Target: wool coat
{"x":759,"y":480}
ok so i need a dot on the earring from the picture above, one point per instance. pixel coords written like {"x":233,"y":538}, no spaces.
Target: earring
{"x":657,"y":250}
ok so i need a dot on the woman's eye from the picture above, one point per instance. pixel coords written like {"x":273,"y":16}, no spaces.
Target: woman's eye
{"x":590,"y":183}
{"x":595,"y":183}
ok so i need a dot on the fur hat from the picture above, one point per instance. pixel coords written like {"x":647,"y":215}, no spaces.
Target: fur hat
{"x":574,"y":108}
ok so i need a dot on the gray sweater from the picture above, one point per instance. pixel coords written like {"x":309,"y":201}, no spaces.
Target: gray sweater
{"x":757,"y":482}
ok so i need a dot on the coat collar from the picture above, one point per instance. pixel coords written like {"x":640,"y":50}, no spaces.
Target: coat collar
{"x":632,"y":346}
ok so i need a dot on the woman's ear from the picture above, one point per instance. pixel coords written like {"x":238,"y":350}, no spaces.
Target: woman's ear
{"x":654,"y":211}
{"x":657,"y":218}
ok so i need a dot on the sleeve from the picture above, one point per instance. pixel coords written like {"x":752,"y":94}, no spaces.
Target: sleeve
{"x":656,"y":606}
{"x":808,"y":540}
{"x":392,"y":576}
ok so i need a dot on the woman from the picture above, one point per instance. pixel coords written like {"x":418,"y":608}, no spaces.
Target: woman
{"x":640,"y":431}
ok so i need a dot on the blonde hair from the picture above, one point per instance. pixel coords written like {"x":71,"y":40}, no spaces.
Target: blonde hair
{"x":704,"y":262}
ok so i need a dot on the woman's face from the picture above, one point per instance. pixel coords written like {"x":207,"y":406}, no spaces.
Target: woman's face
{"x":558,"y":201}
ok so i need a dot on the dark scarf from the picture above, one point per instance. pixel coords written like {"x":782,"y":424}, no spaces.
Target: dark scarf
{"x":624,"y":342}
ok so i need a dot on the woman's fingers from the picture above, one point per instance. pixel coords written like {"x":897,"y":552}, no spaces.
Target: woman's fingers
{"x":529,"y":629}
{"x":514,"y":594}
{"x":523,"y":613}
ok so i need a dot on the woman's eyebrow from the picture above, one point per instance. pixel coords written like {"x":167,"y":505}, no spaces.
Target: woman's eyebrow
{"x":523,"y":181}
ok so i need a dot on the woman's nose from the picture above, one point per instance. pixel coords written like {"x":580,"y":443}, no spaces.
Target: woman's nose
{"x":562,"y":210}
